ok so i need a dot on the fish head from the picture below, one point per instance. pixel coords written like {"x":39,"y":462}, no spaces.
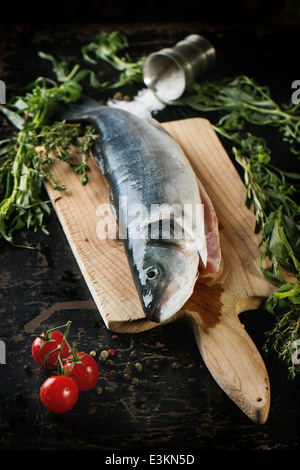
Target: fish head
{"x":166,"y":279}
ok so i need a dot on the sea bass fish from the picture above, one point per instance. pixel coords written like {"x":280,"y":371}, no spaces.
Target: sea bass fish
{"x":156,"y":199}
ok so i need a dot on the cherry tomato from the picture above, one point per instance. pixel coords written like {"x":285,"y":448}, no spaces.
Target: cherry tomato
{"x":41,"y":348}
{"x":85,"y":372}
{"x":59,"y":393}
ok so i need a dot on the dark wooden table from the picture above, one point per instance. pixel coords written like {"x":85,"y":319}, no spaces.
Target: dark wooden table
{"x":176,"y":406}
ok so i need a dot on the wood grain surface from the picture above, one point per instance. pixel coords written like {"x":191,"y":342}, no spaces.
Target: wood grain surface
{"x":212,"y":311}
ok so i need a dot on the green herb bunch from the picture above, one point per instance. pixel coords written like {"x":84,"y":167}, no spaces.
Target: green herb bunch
{"x":25,"y":157}
{"x":242,"y":101}
{"x":272,"y":194}
{"x":240,"y":105}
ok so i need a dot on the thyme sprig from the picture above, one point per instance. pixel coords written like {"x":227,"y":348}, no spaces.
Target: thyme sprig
{"x":23,"y":167}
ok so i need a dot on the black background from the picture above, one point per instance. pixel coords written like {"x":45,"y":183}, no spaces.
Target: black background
{"x":244,"y":12}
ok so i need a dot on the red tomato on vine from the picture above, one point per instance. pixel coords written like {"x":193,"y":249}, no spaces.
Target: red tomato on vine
{"x":59,"y":393}
{"x":45,"y":349}
{"x":83,"y":369}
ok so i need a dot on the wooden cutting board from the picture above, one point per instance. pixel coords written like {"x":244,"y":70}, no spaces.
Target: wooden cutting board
{"x":212,"y":311}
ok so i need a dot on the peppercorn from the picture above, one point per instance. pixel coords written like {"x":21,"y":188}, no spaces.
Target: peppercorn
{"x":28,"y":369}
{"x":118,"y":96}
{"x":133,"y":355}
{"x":144,"y":383}
{"x":103,"y":355}
{"x":112,"y":374}
{"x":175,"y":365}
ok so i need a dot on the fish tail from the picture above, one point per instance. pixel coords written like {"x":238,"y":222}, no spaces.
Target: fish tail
{"x":81,"y":110}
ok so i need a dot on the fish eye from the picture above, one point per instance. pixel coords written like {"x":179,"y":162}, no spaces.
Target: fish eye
{"x":152,"y":273}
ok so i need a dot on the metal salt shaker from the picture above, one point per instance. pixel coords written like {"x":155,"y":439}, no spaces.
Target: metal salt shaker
{"x":171,"y":71}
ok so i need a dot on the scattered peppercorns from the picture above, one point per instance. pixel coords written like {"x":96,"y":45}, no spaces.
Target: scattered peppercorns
{"x":131,"y":372}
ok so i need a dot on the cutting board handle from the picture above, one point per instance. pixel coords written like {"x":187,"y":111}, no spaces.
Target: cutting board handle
{"x":234,"y":362}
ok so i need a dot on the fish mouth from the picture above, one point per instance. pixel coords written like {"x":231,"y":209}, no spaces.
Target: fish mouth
{"x":170,"y":304}
{"x":153,"y":312}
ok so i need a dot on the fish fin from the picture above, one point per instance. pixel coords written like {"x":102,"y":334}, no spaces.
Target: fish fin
{"x":211,"y":232}
{"x":157,"y":125}
{"x":80,"y":110}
